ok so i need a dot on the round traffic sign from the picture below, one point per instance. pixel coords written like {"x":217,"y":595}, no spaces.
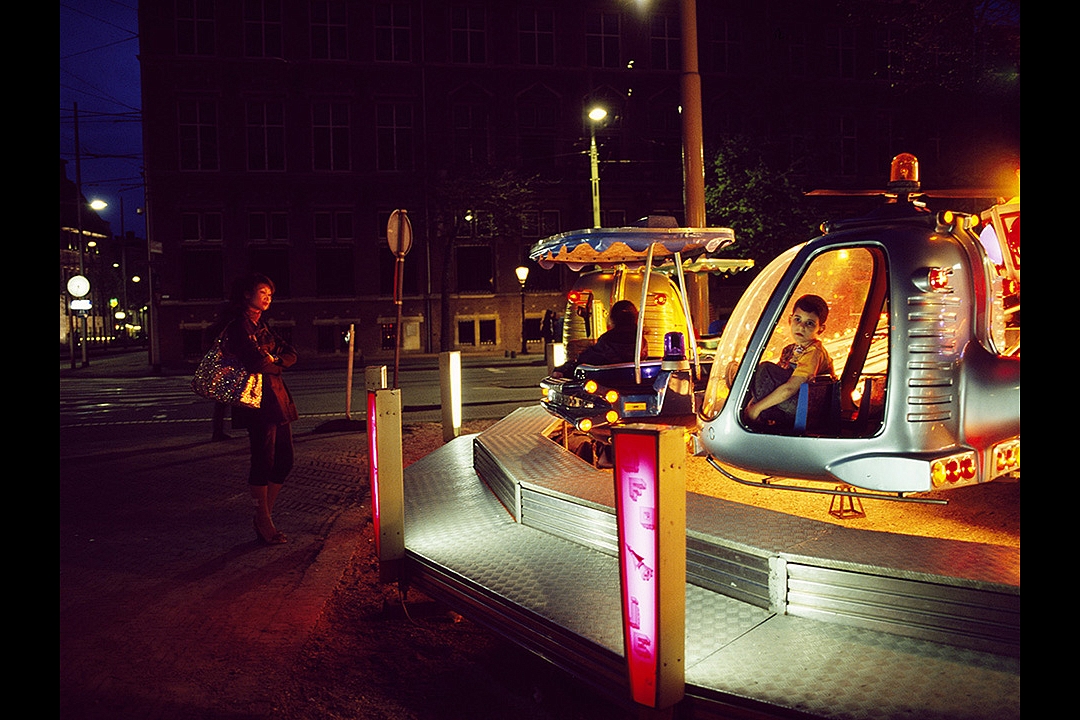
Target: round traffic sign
{"x":78,"y":286}
{"x":399,"y":233}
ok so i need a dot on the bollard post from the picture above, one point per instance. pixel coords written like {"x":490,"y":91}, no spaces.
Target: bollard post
{"x":650,"y":507}
{"x":386,"y":473}
{"x":349,"y":372}
{"x":554,"y":355}
{"x":450,"y":384}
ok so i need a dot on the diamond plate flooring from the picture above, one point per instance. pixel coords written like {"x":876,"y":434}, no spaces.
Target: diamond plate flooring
{"x":734,"y":648}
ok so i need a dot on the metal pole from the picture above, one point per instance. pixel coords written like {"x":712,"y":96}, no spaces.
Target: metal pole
{"x":524,"y":346}
{"x":594,"y":175}
{"x":693,"y":145}
{"x":82,"y":239}
{"x":152,"y":308}
{"x":349,"y":372}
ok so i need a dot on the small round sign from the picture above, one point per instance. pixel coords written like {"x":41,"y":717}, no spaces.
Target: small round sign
{"x":399,"y":233}
{"x":78,"y":286}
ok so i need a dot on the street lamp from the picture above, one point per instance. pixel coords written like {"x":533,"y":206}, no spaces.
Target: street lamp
{"x":595,"y":115}
{"x":522,"y":273}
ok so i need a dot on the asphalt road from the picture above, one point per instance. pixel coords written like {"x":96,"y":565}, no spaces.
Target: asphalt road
{"x":119,"y":397}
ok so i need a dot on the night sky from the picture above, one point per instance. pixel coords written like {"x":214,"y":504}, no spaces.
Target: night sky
{"x":99,"y":71}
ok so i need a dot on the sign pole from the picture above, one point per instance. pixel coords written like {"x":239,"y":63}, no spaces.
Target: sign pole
{"x":399,"y":238}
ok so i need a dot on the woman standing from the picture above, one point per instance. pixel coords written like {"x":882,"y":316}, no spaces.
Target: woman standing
{"x":249,"y":338}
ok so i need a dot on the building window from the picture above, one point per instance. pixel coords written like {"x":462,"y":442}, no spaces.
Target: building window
{"x":888,"y":59}
{"x":329,"y":32}
{"x":195,"y":27}
{"x":394,"y":137}
{"x":334,"y":271}
{"x":393,"y":32}
{"x":201,"y":273}
{"x":475,"y":269}
{"x":333,"y":338}
{"x":470,"y":128}
{"x":613,"y":218}
{"x":201,"y":256}
{"x":334,"y":226}
{"x":330,"y":136}
{"x":539,"y":223}
{"x":536,"y":117}
{"x":262,"y":28}
{"x":268,"y":227}
{"x":334,"y":253}
{"x":842,"y":46}
{"x":602,"y":40}
{"x":849,"y":147}
{"x":478,"y":224}
{"x":467,"y":35}
{"x":410,"y":271}
{"x":477,"y":331}
{"x":536,"y":37}
{"x":273,"y":262}
{"x":265,"y":136}
{"x":724,"y":50}
{"x":200,"y":227}
{"x":198,"y":135}
{"x":664,"y":43}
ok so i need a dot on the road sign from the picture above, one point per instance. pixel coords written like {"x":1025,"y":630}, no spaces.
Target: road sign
{"x":78,"y":286}
{"x":399,"y":233}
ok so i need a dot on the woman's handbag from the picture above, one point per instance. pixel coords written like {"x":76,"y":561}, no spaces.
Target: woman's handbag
{"x":223,"y":378}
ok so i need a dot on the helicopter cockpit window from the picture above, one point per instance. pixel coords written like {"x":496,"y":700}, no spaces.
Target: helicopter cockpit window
{"x":855,"y":335}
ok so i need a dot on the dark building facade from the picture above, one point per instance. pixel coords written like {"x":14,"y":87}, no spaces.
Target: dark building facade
{"x":280,"y":136}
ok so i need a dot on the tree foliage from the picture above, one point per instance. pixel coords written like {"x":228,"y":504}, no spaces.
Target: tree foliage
{"x":768,"y":212}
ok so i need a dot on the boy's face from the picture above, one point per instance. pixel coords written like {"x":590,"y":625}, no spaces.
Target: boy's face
{"x":805,"y":326}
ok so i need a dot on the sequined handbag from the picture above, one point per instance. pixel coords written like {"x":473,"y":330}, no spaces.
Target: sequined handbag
{"x":223,"y":378}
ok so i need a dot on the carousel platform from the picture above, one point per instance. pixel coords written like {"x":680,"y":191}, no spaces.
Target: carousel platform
{"x":785,"y":616}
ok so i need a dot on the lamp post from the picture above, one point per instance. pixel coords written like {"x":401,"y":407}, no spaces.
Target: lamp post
{"x":693,"y":145}
{"x":522,"y":273}
{"x":595,"y":115}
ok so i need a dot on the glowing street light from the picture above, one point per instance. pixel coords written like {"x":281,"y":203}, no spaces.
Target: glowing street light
{"x":522,"y":273}
{"x":595,"y":115}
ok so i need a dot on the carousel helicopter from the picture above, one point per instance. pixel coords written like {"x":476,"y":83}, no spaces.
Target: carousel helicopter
{"x":923,"y":332}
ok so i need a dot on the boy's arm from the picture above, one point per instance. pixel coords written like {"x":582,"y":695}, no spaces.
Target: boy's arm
{"x":807,"y":366}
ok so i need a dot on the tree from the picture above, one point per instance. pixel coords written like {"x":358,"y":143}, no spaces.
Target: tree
{"x":496,"y":198}
{"x":767,"y":211}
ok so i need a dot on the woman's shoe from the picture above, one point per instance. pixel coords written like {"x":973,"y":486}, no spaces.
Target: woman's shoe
{"x":278,"y":538}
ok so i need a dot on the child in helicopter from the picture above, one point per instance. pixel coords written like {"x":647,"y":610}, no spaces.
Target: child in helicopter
{"x":775,"y":386}
{"x":614,"y":346}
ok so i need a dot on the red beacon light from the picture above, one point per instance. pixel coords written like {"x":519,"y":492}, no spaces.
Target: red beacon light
{"x":904,"y":174}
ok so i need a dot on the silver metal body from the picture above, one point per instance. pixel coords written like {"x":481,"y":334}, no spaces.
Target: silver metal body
{"x":945,"y":386}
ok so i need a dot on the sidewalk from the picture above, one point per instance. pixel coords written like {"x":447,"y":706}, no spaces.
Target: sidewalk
{"x":167,"y":602}
{"x":169,"y":608}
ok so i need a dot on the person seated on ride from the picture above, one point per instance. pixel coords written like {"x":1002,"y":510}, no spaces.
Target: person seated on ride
{"x":614,"y":346}
{"x":775,"y":386}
